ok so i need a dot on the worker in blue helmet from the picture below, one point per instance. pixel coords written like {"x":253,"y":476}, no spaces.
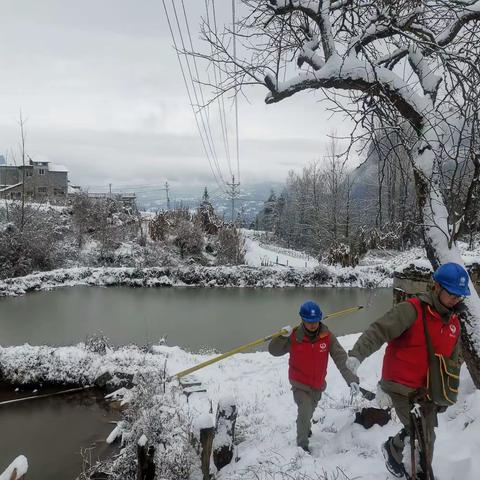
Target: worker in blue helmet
{"x":310,"y":344}
{"x":453,"y":280}
{"x":409,"y":361}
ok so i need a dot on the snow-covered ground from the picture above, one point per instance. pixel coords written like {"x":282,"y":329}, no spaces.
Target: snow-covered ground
{"x":260,"y":254}
{"x":341,"y":449}
{"x":266,"y":447}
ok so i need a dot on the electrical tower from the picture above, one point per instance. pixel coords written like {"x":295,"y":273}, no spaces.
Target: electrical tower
{"x":233,"y":192}
{"x":168,"y":198}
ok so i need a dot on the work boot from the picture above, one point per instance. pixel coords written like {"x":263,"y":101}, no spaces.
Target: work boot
{"x":306,"y":449}
{"x":395,"y":468}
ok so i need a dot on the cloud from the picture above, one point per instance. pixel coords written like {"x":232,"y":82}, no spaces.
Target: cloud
{"x":100,"y":86}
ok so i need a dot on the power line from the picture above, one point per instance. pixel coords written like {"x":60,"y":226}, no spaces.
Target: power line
{"x":202,"y":108}
{"x":201,"y":113}
{"x":236,"y":91}
{"x":220,"y":99}
{"x":190,"y":98}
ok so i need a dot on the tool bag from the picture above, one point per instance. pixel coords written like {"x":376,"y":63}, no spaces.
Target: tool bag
{"x":443,"y":376}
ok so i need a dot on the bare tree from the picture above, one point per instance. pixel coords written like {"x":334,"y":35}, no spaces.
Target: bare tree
{"x":409,"y":60}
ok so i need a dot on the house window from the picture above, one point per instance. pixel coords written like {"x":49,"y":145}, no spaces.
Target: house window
{"x":41,"y":171}
{"x":28,"y":173}
{"x":58,"y":191}
{"x":15,"y":195}
{"x":42,"y":190}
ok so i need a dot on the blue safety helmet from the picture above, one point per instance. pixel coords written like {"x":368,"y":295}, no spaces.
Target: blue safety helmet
{"x":453,"y":278}
{"x":310,"y":312}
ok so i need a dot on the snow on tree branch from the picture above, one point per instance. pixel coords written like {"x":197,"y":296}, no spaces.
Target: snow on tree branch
{"x":428,"y":80}
{"x":308,"y":55}
{"x":352,"y":74}
{"x":472,"y":12}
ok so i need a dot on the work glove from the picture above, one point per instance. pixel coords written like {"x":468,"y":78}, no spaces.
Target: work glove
{"x":354,"y":389}
{"x":287,"y":331}
{"x":352,"y":364}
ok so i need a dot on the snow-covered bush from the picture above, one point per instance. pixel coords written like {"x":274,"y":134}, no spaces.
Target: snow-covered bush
{"x":340,"y":253}
{"x":206,"y":216}
{"x":188,"y":238}
{"x":32,"y":240}
{"x":154,"y":412}
{"x":159,"y":226}
{"x":104,"y":220}
{"x":231,"y":246}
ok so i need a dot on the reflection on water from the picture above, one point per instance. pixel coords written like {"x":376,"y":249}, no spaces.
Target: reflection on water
{"x":190,"y":317}
{"x":52,"y":432}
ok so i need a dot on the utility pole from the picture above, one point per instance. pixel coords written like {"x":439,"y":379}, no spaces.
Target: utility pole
{"x":22,"y":146}
{"x":110,"y":190}
{"x":233,"y":193}
{"x":168,"y":198}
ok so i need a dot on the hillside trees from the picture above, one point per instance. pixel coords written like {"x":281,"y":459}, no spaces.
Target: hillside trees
{"x":405,"y":62}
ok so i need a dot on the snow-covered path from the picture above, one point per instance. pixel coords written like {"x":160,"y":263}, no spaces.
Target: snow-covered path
{"x":258,"y":254}
{"x":341,"y":449}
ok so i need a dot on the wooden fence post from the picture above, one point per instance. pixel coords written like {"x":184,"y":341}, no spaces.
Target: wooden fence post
{"x":224,"y":441}
{"x":206,"y":440}
{"x":146,"y":464}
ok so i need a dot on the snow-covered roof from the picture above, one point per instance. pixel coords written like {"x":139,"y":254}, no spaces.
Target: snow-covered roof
{"x":74,"y":188}
{"x":53,"y":167}
{"x":9,"y":187}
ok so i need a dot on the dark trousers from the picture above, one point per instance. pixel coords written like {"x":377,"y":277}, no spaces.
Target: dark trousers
{"x":307,"y":400}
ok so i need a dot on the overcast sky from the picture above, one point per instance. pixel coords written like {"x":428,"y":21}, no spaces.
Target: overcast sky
{"x":99,"y":85}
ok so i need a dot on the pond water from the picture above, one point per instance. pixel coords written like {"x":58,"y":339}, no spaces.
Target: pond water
{"x":56,"y":434}
{"x":193,"y":318}
{"x":52,"y":432}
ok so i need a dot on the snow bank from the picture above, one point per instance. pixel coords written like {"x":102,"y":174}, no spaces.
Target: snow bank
{"x":77,"y":365}
{"x":20,"y":464}
{"x":196,"y":276}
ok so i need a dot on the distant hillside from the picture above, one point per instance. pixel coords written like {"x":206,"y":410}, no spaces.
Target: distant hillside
{"x":250,"y":201}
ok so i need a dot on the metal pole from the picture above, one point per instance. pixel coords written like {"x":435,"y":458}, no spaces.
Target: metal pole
{"x":183,"y":373}
{"x":62,"y":392}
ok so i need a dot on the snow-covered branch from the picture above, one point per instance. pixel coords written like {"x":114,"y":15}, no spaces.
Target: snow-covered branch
{"x":466,"y":15}
{"x":328,"y":42}
{"x":428,"y":80}
{"x":309,"y":55}
{"x":353,"y":74}
{"x":308,"y":7}
{"x":382,"y":28}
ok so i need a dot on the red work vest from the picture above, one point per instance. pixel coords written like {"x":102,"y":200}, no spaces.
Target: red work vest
{"x":406,"y":357}
{"x":308,"y":360}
